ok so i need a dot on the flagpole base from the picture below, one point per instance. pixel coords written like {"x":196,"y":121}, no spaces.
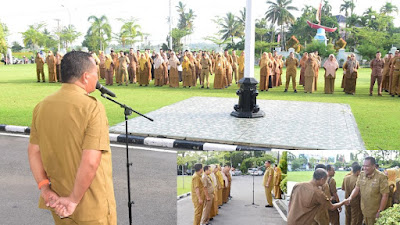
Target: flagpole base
{"x":247,"y":107}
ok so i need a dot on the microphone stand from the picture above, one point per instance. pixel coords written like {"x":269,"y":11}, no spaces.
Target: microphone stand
{"x":253,"y":204}
{"x":127,"y":112}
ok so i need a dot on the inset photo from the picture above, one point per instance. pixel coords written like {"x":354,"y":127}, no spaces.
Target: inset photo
{"x":224,"y":188}
{"x":343,"y":187}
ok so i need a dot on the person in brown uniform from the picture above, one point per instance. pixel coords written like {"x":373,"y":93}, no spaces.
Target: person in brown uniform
{"x":235,"y":65}
{"x":373,"y":187}
{"x":109,"y":67}
{"x":158,"y":71}
{"x":306,"y":199}
{"x":115,"y":57}
{"x":277,"y":181}
{"x":144,"y":70}
{"x":395,"y":64}
{"x":333,"y":214}
{"x":51,"y":64}
{"x":241,"y":62}
{"x":206,"y":70}
{"x":303,"y":68}
{"x":197,"y":193}
{"x":187,"y":72}
{"x":291,"y":71}
{"x":123,"y":66}
{"x":198,"y":67}
{"x":353,"y":211}
{"x":268,"y":182}
{"x":208,"y":193}
{"x":102,"y":59}
{"x":351,"y":68}
{"x":219,"y":71}
{"x":309,"y":74}
{"x":229,"y":61}
{"x":318,"y":59}
{"x":265,"y":66}
{"x":322,"y":216}
{"x":279,"y":70}
{"x":132,"y":66}
{"x":330,"y":67}
{"x":385,"y":73}
{"x":69,"y":146}
{"x":376,"y":65}
{"x":220,"y":185}
{"x":173,"y":70}
{"x":344,"y":73}
{"x":58,"y":66}
{"x":213,"y":176}
{"x":39,"y":67}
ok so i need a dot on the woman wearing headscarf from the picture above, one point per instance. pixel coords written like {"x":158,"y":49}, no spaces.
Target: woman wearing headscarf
{"x":309,"y":73}
{"x":166,"y":68}
{"x":187,"y":72}
{"x":158,"y":71}
{"x":351,"y":68}
{"x":173,"y":70}
{"x":303,"y":68}
{"x":344,"y":73}
{"x":241,"y":66}
{"x":109,"y":70}
{"x":144,"y":70}
{"x":193,"y":61}
{"x":264,"y":64}
{"x":150,"y":64}
{"x":281,"y":70}
{"x":214,"y":206}
{"x":219,"y":70}
{"x":220,"y":181}
{"x":97,"y":60}
{"x":330,"y":67}
{"x":51,"y":65}
{"x":272,"y":79}
{"x":277,"y":182}
{"x":278,"y":70}
{"x":225,"y":190}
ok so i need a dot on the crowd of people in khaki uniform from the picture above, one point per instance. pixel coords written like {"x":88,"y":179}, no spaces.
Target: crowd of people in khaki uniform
{"x":367,"y":194}
{"x":211,"y":188}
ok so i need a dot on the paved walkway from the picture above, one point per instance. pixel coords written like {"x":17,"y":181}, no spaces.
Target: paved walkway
{"x":287,"y":124}
{"x":237,"y":211}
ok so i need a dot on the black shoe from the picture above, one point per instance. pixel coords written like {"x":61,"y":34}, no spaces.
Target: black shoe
{"x":119,"y":84}
{"x":202,"y":86}
{"x":38,"y":81}
{"x":43,"y":81}
{"x":184,"y":86}
{"x":126,"y":84}
{"x":379,"y":94}
{"x":208,"y":87}
{"x":386,"y":90}
{"x":285,"y":90}
{"x":211,"y":219}
{"x":262,"y":90}
{"x":268,"y":206}
{"x":131,"y":82}
{"x":370,"y":94}
{"x":392,"y":95}
{"x":295,"y":91}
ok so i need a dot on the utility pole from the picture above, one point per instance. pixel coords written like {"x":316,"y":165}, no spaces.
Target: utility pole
{"x":170,"y":24}
{"x":59,"y":33}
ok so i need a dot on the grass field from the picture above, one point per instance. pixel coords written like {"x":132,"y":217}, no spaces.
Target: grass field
{"x":377,"y":117}
{"x":302,"y":176}
{"x":184,"y":184}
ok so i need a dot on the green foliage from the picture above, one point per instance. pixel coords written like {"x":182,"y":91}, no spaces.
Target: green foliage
{"x":298,"y":163}
{"x":99,"y":33}
{"x":68,"y":35}
{"x":390,"y":216}
{"x":323,"y":50}
{"x":16,"y":47}
{"x":37,"y":36}
{"x":283,"y":162}
{"x":3,"y":35}
{"x":283,"y":184}
{"x":129,"y":33}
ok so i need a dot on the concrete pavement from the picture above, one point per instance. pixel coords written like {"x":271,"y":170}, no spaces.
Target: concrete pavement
{"x":153,"y":185}
{"x":239,"y":210}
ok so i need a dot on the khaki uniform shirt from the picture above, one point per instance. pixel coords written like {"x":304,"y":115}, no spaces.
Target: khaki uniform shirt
{"x":197,"y":183}
{"x":205,"y":63}
{"x":349,"y":183}
{"x":133,"y":60}
{"x":207,"y":183}
{"x":123,"y":62}
{"x":332,"y":186}
{"x":291,"y":65}
{"x":395,"y":63}
{"x":386,"y":67}
{"x":39,"y":63}
{"x":234,"y":61}
{"x":305,"y":201}
{"x":371,"y":190}
{"x":63,"y":125}
{"x":377,"y":67}
{"x":268,"y":172}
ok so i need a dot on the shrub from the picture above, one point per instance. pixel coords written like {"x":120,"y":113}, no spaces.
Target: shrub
{"x":390,"y":216}
{"x":323,"y":50}
{"x":283,"y":185}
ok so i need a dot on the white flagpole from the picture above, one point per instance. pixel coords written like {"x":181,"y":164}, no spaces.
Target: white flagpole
{"x":249,"y":40}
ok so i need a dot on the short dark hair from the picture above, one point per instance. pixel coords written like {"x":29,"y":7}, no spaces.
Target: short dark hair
{"x":74,"y":64}
{"x":198,"y":167}
{"x":371,"y":160}
{"x":378,"y":52}
{"x":377,"y":165}
{"x":131,"y":48}
{"x":320,"y":166}
{"x":356,"y":168}
{"x":206,"y":168}
{"x":319,"y":174}
{"x":329,"y":167}
{"x":355,"y":163}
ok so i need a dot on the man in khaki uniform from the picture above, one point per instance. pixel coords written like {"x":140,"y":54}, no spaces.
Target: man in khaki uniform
{"x":229,"y":62}
{"x":377,"y":66}
{"x":291,"y":70}
{"x":306,"y":199}
{"x":333,"y":215}
{"x":51,"y":65}
{"x":373,"y":187}
{"x":235,"y":68}
{"x":395,"y":64}
{"x":198,"y":67}
{"x":123,"y":66}
{"x":114,"y":57}
{"x":69,"y":146}
{"x":267,"y":182}
{"x":39,"y":67}
{"x":209,"y":195}
{"x":197,"y":193}
{"x":102,"y":65}
{"x":132,"y":66}
{"x":386,"y":70}
{"x":205,"y":70}
{"x":353,"y":211}
{"x":322,"y":216}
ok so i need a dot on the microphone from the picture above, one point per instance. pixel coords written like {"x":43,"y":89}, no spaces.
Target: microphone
{"x":104,"y":90}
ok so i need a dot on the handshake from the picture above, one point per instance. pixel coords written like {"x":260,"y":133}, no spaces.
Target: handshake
{"x":63,"y":206}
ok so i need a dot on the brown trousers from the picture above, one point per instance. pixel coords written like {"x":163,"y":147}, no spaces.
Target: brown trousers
{"x":334,"y":217}
{"x":385,"y":82}
{"x":277,"y":192}
{"x":198,"y":210}
{"x":264,"y":82}
{"x":132,"y":74}
{"x":204,"y":76}
{"x":353,"y":215}
{"x":220,"y":197}
{"x":309,"y":84}
{"x":395,"y":88}
{"x":235,"y":71}
{"x":350,"y":87}
{"x":207,"y":209}
{"x":107,"y":220}
{"x":102,"y":73}
{"x":373,"y":79}
{"x":288,"y":76}
{"x":122,"y":73}
{"x":38,"y":72}
{"x":329,"y":85}
{"x":110,"y":76}
{"x":58,"y":72}
{"x":268,"y":194}
{"x":369,"y":220}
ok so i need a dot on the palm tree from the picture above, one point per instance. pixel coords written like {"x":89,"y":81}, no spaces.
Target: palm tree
{"x":69,"y":35}
{"x":33,"y":37}
{"x":346,"y":6}
{"x":189,"y":17}
{"x":389,"y":8}
{"x":129,"y":32}
{"x":101,"y":29}
{"x":279,"y":12}
{"x":181,"y":10}
{"x":242,"y":21}
{"x":326,"y":8}
{"x":230,"y":27}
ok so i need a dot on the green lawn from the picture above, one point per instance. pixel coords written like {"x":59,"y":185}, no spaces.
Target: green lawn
{"x":301,"y":176}
{"x":377,"y":117}
{"x":184,"y":184}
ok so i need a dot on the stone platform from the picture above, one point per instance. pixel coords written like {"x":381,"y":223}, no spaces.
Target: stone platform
{"x":287,"y":124}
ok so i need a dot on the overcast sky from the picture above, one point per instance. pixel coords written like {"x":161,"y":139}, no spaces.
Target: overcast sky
{"x":152,"y":14}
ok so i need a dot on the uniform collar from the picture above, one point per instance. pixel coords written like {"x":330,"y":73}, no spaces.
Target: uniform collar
{"x":73,"y":87}
{"x":371,"y":176}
